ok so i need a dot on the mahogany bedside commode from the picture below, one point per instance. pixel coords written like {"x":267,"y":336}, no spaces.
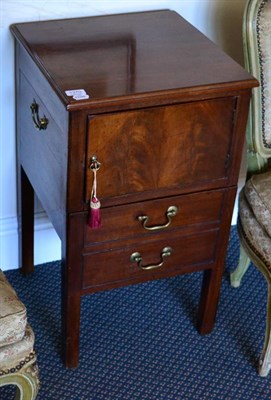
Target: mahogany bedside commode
{"x":162,"y":112}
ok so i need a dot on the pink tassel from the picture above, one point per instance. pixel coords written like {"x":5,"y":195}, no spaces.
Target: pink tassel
{"x":94,"y":218}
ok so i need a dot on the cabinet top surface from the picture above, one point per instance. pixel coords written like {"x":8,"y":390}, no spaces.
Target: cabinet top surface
{"x":128,"y":56}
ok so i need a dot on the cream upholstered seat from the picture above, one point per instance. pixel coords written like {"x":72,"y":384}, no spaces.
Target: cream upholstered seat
{"x":254,"y":216}
{"x":17,"y":357}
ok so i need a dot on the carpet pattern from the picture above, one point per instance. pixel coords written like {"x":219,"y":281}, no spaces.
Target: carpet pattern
{"x":140,"y":342}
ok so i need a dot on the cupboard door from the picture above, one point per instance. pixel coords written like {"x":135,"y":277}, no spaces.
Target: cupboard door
{"x":160,"y":148}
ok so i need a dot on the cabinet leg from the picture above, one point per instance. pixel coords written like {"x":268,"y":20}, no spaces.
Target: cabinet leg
{"x":26,"y":224}
{"x":209,"y":300}
{"x":212,"y":278}
{"x":71,"y":290}
{"x":71,"y":330}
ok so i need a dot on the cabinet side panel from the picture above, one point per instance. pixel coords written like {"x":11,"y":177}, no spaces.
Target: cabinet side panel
{"x":42,"y":88}
{"x":43,"y":153}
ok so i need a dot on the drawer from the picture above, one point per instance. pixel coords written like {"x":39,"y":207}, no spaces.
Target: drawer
{"x":122,"y":221}
{"x":161,"y":148}
{"x":114,"y":267}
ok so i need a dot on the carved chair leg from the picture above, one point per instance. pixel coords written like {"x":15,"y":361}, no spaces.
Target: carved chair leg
{"x":265,"y":359}
{"x":26,"y":381}
{"x":240,"y":270}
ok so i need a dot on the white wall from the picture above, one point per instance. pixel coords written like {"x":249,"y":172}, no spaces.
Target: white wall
{"x":220,"y":20}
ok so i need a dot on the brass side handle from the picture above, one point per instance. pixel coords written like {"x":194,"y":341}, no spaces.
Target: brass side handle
{"x":170,"y":213}
{"x":39,"y":123}
{"x":136,"y":257}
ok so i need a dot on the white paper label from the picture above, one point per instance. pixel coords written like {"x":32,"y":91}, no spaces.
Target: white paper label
{"x":80,"y":97}
{"x":77,"y":94}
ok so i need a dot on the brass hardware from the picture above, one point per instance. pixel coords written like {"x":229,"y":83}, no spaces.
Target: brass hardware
{"x":40,"y":123}
{"x":136,"y":257}
{"x":171,"y":212}
{"x":94,"y":164}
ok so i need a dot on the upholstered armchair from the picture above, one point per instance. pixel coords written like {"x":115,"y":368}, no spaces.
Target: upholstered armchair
{"x":254,"y":215}
{"x":17,"y":357}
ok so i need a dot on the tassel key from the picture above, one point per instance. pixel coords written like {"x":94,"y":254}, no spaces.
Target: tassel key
{"x":94,"y":218}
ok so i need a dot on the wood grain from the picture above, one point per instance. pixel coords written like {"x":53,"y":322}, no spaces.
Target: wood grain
{"x":161,"y":147}
{"x":150,"y":53}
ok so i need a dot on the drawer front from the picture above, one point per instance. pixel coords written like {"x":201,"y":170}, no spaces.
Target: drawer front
{"x":113,"y":267}
{"x":123,"y":221}
{"x":160,"y":148}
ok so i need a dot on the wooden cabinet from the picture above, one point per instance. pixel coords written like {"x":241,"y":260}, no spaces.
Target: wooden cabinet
{"x":164,"y":111}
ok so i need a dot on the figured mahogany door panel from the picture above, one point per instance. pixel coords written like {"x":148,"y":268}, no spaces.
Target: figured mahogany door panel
{"x":157,"y":216}
{"x":177,"y":253}
{"x":162,"y":147}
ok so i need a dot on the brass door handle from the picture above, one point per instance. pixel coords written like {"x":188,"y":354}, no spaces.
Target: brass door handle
{"x":39,"y":123}
{"x":136,"y":257}
{"x":170,"y":213}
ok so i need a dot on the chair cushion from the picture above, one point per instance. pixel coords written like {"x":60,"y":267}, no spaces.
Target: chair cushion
{"x":258,"y":195}
{"x":13,"y":354}
{"x":12,"y":314}
{"x":257,"y":237}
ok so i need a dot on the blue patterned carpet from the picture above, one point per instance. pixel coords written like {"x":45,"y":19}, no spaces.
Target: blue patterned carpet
{"x":139,"y":342}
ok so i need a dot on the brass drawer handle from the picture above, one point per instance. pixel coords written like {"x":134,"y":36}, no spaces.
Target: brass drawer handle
{"x":39,"y":123}
{"x":136,"y":257}
{"x":171,"y":212}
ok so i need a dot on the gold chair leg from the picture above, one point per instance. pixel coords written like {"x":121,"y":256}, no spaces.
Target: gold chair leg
{"x":240,"y":270}
{"x":26,"y":381}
